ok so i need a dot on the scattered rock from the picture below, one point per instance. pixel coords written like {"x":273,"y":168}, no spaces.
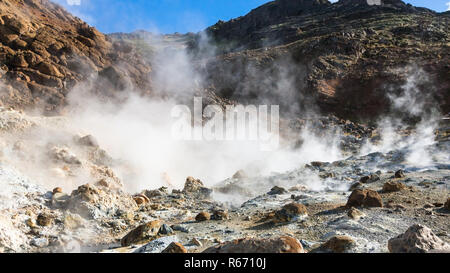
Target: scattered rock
{"x":219,"y":214}
{"x":283,"y":244}
{"x":355,"y":214}
{"x":392,"y":186}
{"x":417,"y":239}
{"x":447,"y":204}
{"x":399,"y":174}
{"x":195,"y":187}
{"x":57,"y":190}
{"x":277,"y":190}
{"x":337,"y":244}
{"x":141,"y":234}
{"x":175,"y":248}
{"x":290,"y":212}
{"x":165,"y":230}
{"x":44,"y":220}
{"x":202,"y":216}
{"x":369,"y":179}
{"x":364,"y":198}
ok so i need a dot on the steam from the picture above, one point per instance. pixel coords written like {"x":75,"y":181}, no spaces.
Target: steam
{"x":410,"y":104}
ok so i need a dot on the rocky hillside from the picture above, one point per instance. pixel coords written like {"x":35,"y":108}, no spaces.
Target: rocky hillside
{"x":45,"y":51}
{"x":344,"y":55}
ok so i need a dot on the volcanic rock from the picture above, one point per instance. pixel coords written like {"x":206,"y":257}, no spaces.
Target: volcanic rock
{"x":392,"y":186}
{"x":364,"y":198}
{"x":175,"y":248}
{"x":337,"y":244}
{"x":283,"y":244}
{"x":202,"y":216}
{"x":290,"y":212}
{"x":277,"y":190}
{"x":195,"y":187}
{"x":399,"y":174}
{"x":141,"y":234}
{"x":417,"y":239}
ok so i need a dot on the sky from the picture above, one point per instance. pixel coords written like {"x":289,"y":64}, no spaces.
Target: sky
{"x":169,"y":16}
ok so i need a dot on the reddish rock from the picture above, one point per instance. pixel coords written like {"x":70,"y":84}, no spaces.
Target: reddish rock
{"x":393,"y":186}
{"x":290,"y":212}
{"x":337,"y":244}
{"x":141,"y":234}
{"x":283,"y":244}
{"x":364,"y":198}
{"x":175,"y":248}
{"x":202,"y":216}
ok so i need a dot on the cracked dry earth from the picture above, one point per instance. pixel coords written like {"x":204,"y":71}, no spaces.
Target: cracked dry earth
{"x":65,"y":196}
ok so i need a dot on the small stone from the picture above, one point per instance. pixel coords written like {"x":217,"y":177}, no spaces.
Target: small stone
{"x":219,"y":215}
{"x":175,"y":248}
{"x":141,"y":234}
{"x":139,"y":200}
{"x":399,"y":174}
{"x":202,"y":216}
{"x":165,"y":230}
{"x":31,"y":223}
{"x":447,"y":204}
{"x":277,"y":190}
{"x":337,"y":244}
{"x":196,"y":242}
{"x":392,"y":186}
{"x":369,"y":179}
{"x":57,"y":190}
{"x":44,"y":220}
{"x":354,"y":213}
{"x":290,"y":212}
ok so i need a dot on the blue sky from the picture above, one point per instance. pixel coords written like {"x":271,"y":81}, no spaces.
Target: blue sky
{"x":169,"y":16}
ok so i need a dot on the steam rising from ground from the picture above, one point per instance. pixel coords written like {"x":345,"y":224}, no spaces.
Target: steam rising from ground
{"x":137,"y":131}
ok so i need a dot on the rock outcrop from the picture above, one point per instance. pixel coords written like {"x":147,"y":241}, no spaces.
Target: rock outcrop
{"x":45,"y":52}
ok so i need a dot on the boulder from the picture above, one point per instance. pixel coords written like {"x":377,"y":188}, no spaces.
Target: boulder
{"x":283,"y":244}
{"x":392,"y":186}
{"x":364,"y":198}
{"x":195,"y":187}
{"x":277,"y":190}
{"x":202,"y":216}
{"x":355,"y":214}
{"x":141,"y":234}
{"x":447,"y":204}
{"x":290,"y":212}
{"x":417,"y":239}
{"x":219,"y":214}
{"x":337,"y":244}
{"x":369,"y":179}
{"x":399,"y":174}
{"x":175,"y":248}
